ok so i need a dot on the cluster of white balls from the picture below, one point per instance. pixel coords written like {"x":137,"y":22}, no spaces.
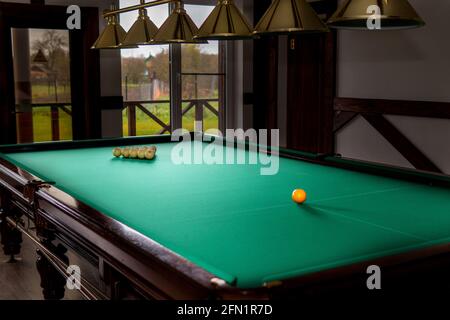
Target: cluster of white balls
{"x":147,"y":153}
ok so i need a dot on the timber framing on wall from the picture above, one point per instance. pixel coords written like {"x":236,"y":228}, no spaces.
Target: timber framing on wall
{"x":373,"y":111}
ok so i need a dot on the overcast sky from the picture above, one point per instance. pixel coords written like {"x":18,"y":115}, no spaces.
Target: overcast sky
{"x":158,"y":15}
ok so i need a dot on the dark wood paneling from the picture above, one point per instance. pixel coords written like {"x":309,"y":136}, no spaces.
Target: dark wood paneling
{"x":310,"y":93}
{"x":311,"y":87}
{"x":401,"y":143}
{"x":265,"y":83}
{"x":7,"y":115}
{"x":85,"y":73}
{"x":425,"y":109}
{"x":265,"y":75}
{"x":328,"y":86}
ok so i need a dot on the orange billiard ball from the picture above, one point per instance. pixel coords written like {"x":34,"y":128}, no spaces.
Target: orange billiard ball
{"x":299,"y":195}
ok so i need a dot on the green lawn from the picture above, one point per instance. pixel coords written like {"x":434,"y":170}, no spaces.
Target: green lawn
{"x":42,"y":129}
{"x":42,"y":93}
{"x":42,"y":126}
{"x":146,"y":126}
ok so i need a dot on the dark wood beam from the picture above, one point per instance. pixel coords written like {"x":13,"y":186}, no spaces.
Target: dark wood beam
{"x":343,"y":118}
{"x":85,"y":77}
{"x":210,"y":108}
{"x":131,"y":113}
{"x":7,"y":102}
{"x":112,"y":103}
{"x":424,"y":109}
{"x":401,"y":143}
{"x":189,"y":107}
{"x":153,"y":117}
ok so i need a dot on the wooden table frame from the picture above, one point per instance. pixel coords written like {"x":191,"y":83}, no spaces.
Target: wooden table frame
{"x":131,"y":265}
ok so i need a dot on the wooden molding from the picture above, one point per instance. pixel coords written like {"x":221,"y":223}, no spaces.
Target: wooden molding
{"x":426,"y":109}
{"x":343,"y":118}
{"x":111,"y":102}
{"x":400,"y":142}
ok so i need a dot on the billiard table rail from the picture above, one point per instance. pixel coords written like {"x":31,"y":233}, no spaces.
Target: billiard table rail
{"x":127,"y":258}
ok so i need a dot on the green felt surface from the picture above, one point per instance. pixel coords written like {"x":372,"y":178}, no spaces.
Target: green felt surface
{"x":243,"y":226}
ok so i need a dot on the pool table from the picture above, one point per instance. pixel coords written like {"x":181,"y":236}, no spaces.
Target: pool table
{"x":153,"y":229}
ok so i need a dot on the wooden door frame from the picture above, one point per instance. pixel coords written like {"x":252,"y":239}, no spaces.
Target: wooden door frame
{"x":84,"y":65}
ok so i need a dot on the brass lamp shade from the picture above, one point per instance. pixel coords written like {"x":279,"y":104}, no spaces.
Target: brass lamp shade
{"x":178,"y":28}
{"x":395,"y":14}
{"x":225,"y":23}
{"x":290,"y":16}
{"x":142,"y":31}
{"x":112,"y":37}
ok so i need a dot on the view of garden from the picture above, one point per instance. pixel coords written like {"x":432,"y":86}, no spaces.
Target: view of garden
{"x":50,"y":82}
{"x":145,"y":79}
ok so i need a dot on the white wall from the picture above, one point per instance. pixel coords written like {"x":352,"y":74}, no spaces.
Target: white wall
{"x":406,"y":65}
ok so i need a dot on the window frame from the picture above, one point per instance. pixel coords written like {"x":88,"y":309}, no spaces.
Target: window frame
{"x":176,"y":74}
{"x":85,"y":82}
{"x":176,"y":82}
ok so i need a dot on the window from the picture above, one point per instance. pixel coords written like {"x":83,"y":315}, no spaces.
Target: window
{"x":202,"y":79}
{"x":146,"y":85}
{"x":42,"y":84}
{"x":145,"y":80}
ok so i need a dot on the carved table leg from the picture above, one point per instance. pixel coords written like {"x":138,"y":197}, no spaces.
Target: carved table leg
{"x":52,"y":282}
{"x":11,"y":239}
